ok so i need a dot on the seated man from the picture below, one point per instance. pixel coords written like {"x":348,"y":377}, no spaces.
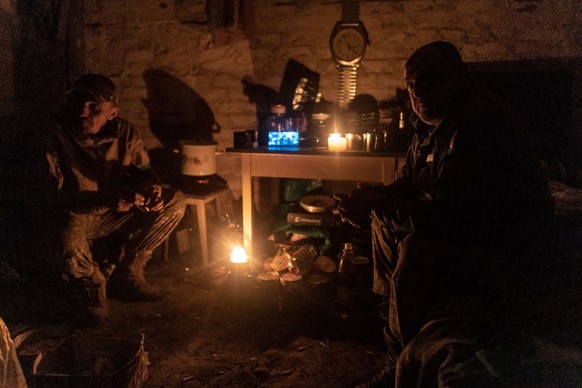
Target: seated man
{"x":100,"y":179}
{"x":452,"y":237}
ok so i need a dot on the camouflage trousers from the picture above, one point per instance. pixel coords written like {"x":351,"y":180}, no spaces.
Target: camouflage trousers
{"x":418,"y":275}
{"x":144,"y":231}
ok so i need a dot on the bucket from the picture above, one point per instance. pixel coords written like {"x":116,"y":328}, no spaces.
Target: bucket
{"x":53,"y":357}
{"x":198,"y":159}
{"x":89,"y":361}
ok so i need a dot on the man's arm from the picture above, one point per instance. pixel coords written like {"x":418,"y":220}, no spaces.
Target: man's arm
{"x":141,"y":177}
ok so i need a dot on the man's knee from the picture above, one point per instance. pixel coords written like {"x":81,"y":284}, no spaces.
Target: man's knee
{"x":175,"y":204}
{"x":420,"y":252}
{"x":436,"y":353}
{"x":416,"y":245}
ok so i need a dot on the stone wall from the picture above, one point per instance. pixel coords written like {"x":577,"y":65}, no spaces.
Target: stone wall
{"x":129,"y":39}
{"x":40,"y":53}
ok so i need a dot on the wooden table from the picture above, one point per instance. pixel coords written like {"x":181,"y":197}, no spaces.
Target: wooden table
{"x":305,"y":163}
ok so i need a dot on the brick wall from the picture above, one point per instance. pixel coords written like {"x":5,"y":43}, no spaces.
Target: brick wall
{"x":125,"y":39}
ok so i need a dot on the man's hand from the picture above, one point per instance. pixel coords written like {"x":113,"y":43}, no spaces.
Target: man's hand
{"x":355,"y":207}
{"x":126,"y":198}
{"x":153,"y":201}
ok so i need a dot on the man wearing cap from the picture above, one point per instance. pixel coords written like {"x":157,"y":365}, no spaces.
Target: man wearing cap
{"x":103,"y":182}
{"x":452,"y":238}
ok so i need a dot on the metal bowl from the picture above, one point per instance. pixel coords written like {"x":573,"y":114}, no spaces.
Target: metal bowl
{"x":317,"y":203}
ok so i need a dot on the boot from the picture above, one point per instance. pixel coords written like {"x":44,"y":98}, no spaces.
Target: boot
{"x":384,"y":379}
{"x":90,"y":296}
{"x":98,"y":312}
{"x":129,"y":280}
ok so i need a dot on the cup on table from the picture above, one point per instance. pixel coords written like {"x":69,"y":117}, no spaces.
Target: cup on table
{"x":242,"y":139}
{"x":368,"y":140}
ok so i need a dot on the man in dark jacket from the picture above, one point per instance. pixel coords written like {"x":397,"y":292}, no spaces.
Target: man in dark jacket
{"x":454,"y":229}
{"x":102,"y":181}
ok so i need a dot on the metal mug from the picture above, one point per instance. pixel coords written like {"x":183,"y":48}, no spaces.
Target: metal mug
{"x":368,"y":139}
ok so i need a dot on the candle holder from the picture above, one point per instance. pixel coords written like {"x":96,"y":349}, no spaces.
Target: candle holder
{"x":241,"y":289}
{"x":239,"y":263}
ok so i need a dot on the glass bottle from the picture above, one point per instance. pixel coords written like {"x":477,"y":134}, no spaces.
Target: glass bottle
{"x":401,"y":122}
{"x":346,"y":273}
{"x":281,"y":259}
{"x":276,"y":121}
{"x":302,"y":260}
{"x":319,"y":128}
{"x":346,"y":259}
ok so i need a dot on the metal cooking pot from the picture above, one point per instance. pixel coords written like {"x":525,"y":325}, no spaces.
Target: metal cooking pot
{"x":198,"y":159}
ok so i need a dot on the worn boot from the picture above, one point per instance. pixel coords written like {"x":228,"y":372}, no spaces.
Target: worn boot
{"x":384,"y":379}
{"x":98,"y":312}
{"x":91,"y":298}
{"x":129,"y":281}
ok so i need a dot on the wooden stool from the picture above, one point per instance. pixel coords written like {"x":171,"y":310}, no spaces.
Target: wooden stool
{"x":199,"y":202}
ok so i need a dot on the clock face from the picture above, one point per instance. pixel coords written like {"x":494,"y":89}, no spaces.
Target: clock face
{"x":348,"y":46}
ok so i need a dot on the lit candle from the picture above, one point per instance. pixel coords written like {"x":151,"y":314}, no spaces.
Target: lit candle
{"x":332,"y":141}
{"x":239,"y":260}
{"x":336,"y":143}
{"x":341,"y":146}
{"x":240,"y":279}
{"x":238,"y":256}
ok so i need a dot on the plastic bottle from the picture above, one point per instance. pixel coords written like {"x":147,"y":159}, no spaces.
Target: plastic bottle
{"x":346,"y":274}
{"x":302,"y":260}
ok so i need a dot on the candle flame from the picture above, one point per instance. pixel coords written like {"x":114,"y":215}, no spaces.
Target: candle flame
{"x":238,"y":255}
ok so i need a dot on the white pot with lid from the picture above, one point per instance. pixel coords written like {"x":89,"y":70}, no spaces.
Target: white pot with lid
{"x":198,"y":158}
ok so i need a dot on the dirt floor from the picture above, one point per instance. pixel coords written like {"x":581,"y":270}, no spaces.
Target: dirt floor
{"x":230,"y":331}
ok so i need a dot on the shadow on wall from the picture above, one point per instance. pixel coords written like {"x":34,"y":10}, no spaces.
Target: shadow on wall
{"x":298,"y":91}
{"x":176,"y":112}
{"x":262,"y":96}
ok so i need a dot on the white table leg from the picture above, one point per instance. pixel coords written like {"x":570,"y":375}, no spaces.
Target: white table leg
{"x":247,"y":204}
